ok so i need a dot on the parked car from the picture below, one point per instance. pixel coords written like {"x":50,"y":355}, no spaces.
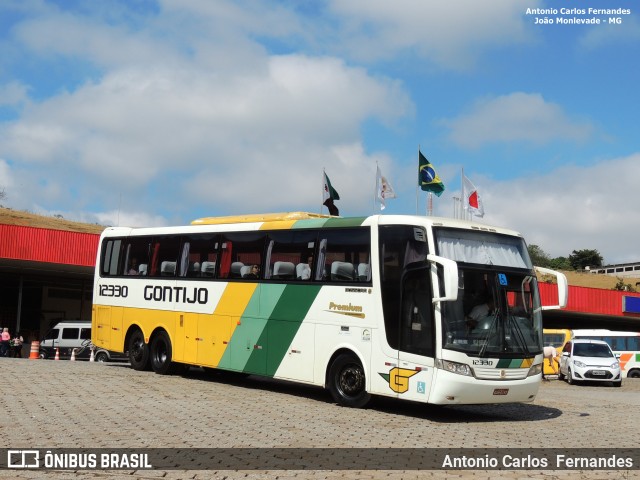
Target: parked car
{"x":70,"y":335}
{"x":591,"y":360}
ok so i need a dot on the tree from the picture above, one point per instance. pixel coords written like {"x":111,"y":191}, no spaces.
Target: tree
{"x":625,"y":287}
{"x":579,"y":259}
{"x":538,"y":256}
{"x":560,"y":263}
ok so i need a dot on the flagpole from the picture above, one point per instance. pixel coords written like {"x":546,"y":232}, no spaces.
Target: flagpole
{"x":375,"y":191}
{"x":462,"y":215}
{"x":322,"y":195}
{"x":418,"y":179}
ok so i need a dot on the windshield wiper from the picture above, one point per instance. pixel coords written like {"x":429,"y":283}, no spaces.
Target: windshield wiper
{"x":513,"y":325}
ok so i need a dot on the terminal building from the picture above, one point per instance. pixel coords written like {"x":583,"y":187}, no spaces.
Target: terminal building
{"x":622,"y":270}
{"x":46,"y":271}
{"x":47,"y":268}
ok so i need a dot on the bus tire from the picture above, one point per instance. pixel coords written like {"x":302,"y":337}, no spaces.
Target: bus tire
{"x":633,"y":374}
{"x":138,"y":351}
{"x":160,"y":353}
{"x":347,"y":383}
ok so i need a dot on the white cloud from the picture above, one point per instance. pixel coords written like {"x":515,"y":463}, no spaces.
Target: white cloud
{"x":13,"y":94}
{"x":6,"y":178}
{"x":203,"y":135}
{"x":449,"y":33}
{"x":516,"y":117}
{"x":628,"y":31}
{"x":572,"y":208}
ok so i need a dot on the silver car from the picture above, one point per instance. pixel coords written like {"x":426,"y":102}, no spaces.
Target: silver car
{"x":590,"y":360}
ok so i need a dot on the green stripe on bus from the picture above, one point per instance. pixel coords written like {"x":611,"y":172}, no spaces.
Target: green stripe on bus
{"x":509,"y":363}
{"x":313,"y":223}
{"x":282,"y":326}
{"x":243,"y":342}
{"x":329,"y":222}
{"x":345,"y":222}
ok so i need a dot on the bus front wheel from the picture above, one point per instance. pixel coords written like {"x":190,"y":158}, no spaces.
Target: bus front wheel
{"x":138,"y":351}
{"x":347,"y":382}
{"x":161,"y":352}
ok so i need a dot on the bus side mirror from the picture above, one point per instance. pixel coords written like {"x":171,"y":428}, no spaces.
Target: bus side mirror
{"x":450,"y":278}
{"x":563,"y":288}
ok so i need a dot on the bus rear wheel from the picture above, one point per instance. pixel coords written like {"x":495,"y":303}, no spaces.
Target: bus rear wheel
{"x":347,"y":382}
{"x":633,"y":374}
{"x":138,"y":351}
{"x":160,"y":352}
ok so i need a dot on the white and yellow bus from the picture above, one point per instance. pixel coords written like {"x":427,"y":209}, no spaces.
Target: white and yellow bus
{"x":369,"y":305}
{"x":625,"y":346}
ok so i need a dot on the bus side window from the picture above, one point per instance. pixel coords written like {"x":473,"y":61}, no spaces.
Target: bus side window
{"x":616,"y":343}
{"x":164,"y":256}
{"x":342,"y":250}
{"x":241,"y":249}
{"x":290,"y":254}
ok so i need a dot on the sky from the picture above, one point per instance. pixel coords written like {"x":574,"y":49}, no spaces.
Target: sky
{"x":158,"y":112}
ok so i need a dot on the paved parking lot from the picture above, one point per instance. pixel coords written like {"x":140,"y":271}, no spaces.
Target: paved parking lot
{"x":49,"y":404}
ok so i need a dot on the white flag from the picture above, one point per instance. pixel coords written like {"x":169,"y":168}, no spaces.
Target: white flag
{"x":384,"y":190}
{"x":472,"y":201}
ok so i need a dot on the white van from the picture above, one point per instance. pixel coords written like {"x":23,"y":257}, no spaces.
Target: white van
{"x":73,"y":334}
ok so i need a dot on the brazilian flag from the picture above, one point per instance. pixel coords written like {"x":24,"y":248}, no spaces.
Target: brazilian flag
{"x":428,"y":179}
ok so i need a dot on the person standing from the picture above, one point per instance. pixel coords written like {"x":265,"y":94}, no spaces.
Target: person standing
{"x":550,"y":354}
{"x":5,"y":340}
{"x":17,"y":345}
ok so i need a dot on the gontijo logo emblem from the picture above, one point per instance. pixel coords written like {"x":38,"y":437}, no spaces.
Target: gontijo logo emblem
{"x":398,"y":378}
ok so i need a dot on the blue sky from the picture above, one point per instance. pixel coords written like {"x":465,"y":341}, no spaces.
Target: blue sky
{"x":159,"y":112}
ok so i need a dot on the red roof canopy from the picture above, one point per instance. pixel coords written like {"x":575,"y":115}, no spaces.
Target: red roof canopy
{"x":51,"y":246}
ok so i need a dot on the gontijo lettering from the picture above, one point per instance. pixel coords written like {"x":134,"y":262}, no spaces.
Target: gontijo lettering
{"x":159,"y":293}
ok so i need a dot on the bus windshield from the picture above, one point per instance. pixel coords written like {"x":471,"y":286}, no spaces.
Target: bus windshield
{"x":482,"y":248}
{"x":497,"y":314}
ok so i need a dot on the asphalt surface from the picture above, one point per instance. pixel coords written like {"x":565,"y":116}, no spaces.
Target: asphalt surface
{"x":50,"y":404}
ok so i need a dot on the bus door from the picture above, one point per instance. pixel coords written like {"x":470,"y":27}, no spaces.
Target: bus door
{"x":416,"y":337}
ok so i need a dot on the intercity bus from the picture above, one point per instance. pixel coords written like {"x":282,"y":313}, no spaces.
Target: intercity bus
{"x":361,"y":306}
{"x":625,"y":346}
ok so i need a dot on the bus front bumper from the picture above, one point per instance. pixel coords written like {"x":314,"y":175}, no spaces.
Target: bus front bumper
{"x":453,"y":389}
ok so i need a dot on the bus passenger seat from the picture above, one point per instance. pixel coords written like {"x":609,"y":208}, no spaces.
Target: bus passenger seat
{"x":303,"y":271}
{"x":236,"y":268}
{"x":284,"y":270}
{"x":208,"y":269}
{"x":363,"y":272}
{"x":194,"y":269}
{"x":245,"y":270}
{"x":342,"y":271}
{"x":142,"y":269}
{"x":168,"y":269}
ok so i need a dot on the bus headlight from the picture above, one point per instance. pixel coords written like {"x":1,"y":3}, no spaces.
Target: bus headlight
{"x":535,"y":370}
{"x":454,"y":367}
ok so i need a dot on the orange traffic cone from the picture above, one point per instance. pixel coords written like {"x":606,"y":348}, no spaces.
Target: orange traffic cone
{"x":57,"y":357}
{"x":73,"y":355}
{"x":34,"y":354}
